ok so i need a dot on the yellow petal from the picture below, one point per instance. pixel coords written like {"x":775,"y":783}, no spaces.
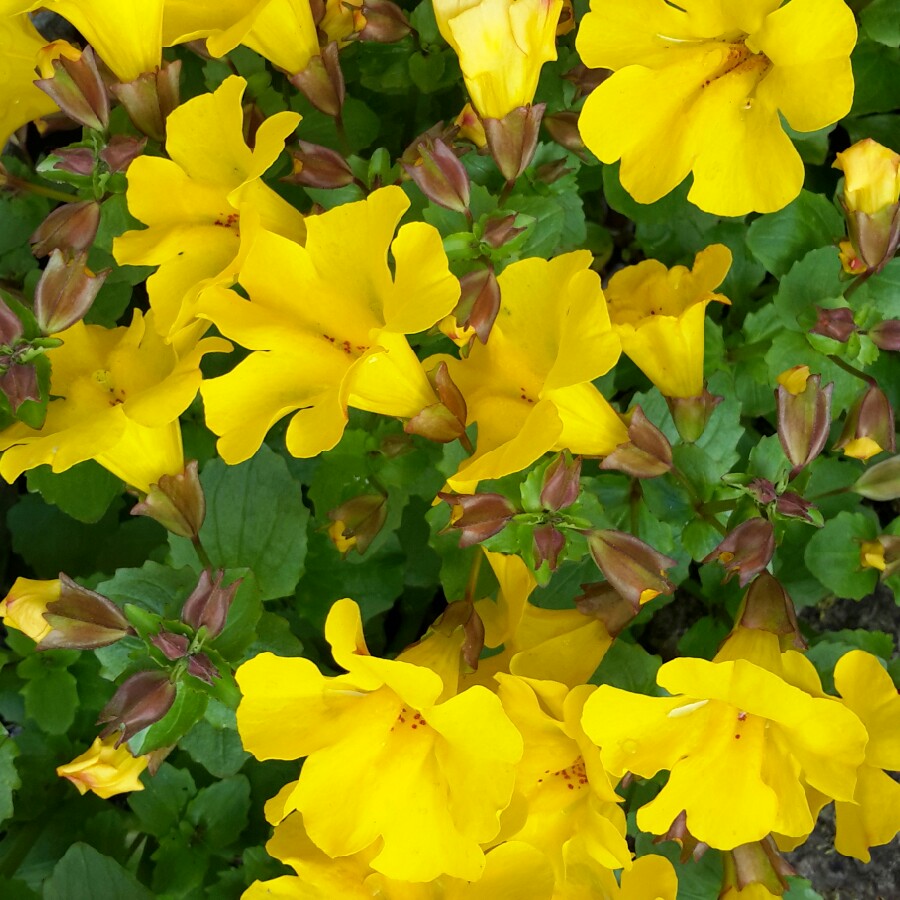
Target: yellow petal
{"x":650,"y":877}
{"x":873,"y":819}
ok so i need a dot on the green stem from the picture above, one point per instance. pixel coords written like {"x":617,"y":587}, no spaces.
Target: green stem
{"x":202,"y":555}
{"x":18,"y":184}
{"x":858,"y":282}
{"x":856,"y":373}
{"x":504,"y":194}
{"x":472,"y":581}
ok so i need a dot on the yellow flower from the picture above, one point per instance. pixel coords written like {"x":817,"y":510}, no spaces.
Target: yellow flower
{"x":326,"y":322}
{"x":20,"y":46}
{"x":658,"y":314}
{"x":126,"y":36}
{"x":422,"y":779}
{"x":501,"y":45}
{"x":873,"y":818}
{"x":572,"y":806}
{"x":740,"y":744}
{"x":871,"y":555}
{"x":700,"y":87}
{"x":117,"y":394}
{"x":24,"y":606}
{"x":105,"y":769}
{"x":529,"y":387}
{"x":871,"y":177}
{"x":650,"y":878}
{"x":794,"y":379}
{"x":198,"y":203}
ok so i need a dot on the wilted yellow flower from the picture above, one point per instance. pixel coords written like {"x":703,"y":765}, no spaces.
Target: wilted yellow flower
{"x":501,"y":45}
{"x":20,"y":46}
{"x":873,"y":816}
{"x":24,"y":606}
{"x":326,"y":322}
{"x":658,"y":314}
{"x":105,"y":769}
{"x":572,"y":807}
{"x":701,"y":87}
{"x":199,"y":204}
{"x":529,"y":388}
{"x":871,"y":176}
{"x":116,"y":397}
{"x":422,"y":778}
{"x":741,"y":744}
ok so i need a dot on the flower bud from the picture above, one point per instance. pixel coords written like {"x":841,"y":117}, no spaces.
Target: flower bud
{"x":804,"y":417}
{"x":498,"y":232}
{"x":886,"y":335}
{"x":850,"y":262}
{"x":65,"y":292}
{"x":10,"y":326}
{"x":440,"y":175}
{"x":477,"y":516}
{"x":585,"y":79}
{"x":757,"y":864}
{"x":106,"y":769}
{"x":479,"y":302}
{"x":869,"y":427}
{"x":836,"y":324}
{"x":562,"y":483}
{"x":176,"y":502}
{"x":792,"y":506}
{"x":563,"y":128}
{"x":881,"y":482}
{"x":358,"y":521}
{"x":381,"y":21}
{"x":24,"y":606}
{"x":870,"y":200}
{"x":150,"y":98}
{"x":470,"y":127}
{"x":633,"y":568}
{"x":322,"y":81}
{"x":746,"y":550}
{"x":547,"y":544}
{"x":318,"y":167}
{"x":78,"y":90}
{"x":648,"y":452}
{"x":512,"y":140}
{"x":209,"y":602}
{"x":602,"y":601}
{"x":551,"y":172}
{"x":882,"y":554}
{"x":172,"y":646}
{"x":678,"y":831}
{"x":444,"y":421}
{"x":767,"y":607}
{"x":691,"y":414}
{"x":201,"y":666}
{"x":141,"y":700}
{"x":18,"y":382}
{"x":121,"y":151}
{"x":71,"y":227}
{"x":76,"y":160}
{"x":82,"y":620}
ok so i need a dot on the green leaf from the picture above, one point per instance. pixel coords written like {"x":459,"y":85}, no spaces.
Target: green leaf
{"x":813,"y":281}
{"x":9,"y":776}
{"x":780,"y":239}
{"x":160,"y":805}
{"x":84,"y":492}
{"x":880,"y":22}
{"x":51,"y":698}
{"x":629,"y":667}
{"x":188,"y":707}
{"x":703,"y":638}
{"x":876,"y":73}
{"x":159,"y":589}
{"x":217,"y":747}
{"x":832,"y":555}
{"x":219,"y":812}
{"x":255,"y":519}
{"x":85,"y":874}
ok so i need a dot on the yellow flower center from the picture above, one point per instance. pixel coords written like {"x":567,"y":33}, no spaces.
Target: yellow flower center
{"x":348,"y":347}
{"x":104,"y":380}
{"x":409,"y":720}
{"x":230,"y":220}
{"x":574,"y":776}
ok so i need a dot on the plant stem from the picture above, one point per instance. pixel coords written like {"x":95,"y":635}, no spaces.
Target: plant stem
{"x":856,"y":373}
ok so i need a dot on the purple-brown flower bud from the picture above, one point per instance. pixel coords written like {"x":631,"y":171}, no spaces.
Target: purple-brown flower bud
{"x":176,"y":502}
{"x":440,"y":175}
{"x":886,"y":335}
{"x":172,"y":646}
{"x":462,"y":614}
{"x":512,"y":140}
{"x":121,"y":151}
{"x":678,"y":831}
{"x":477,"y":516}
{"x":10,"y":326}
{"x":201,"y":666}
{"x":498,"y":232}
{"x":763,"y":491}
{"x":563,"y":128}
{"x":141,"y":700}
{"x":150,"y":98}
{"x":380,"y":21}
{"x":585,"y":79}
{"x":77,"y":160}
{"x":78,"y":90}
{"x":479,"y":302}
{"x":836,"y":324}
{"x":547,"y":544}
{"x":551,"y":172}
{"x":562,"y":483}
{"x":758,"y":863}
{"x":768,"y":607}
{"x":633,"y":568}
{"x":18,"y":382}
{"x":804,"y":416}
{"x":869,"y":426}
{"x":318,"y":167}
{"x":82,"y":619}
{"x":793,"y":506}
{"x":746,"y":550}
{"x":602,"y":601}
{"x":358,"y":521}
{"x":209,"y":602}
{"x":445,"y":420}
{"x":881,"y":482}
{"x":65,"y":292}
{"x":648,"y":452}
{"x":322,"y":81}
{"x":71,"y":227}
{"x":691,"y":414}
